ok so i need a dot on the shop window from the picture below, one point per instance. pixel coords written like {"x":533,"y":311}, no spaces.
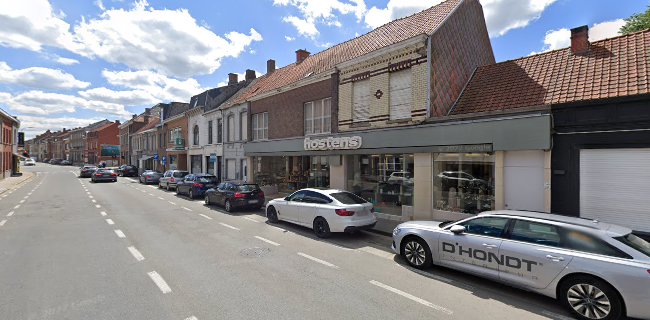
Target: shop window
{"x":400,"y":95}
{"x":260,"y":126}
{"x":318,"y":116}
{"x":210,"y":132}
{"x":288,"y":174}
{"x":463,"y":182}
{"x":243,"y":126}
{"x":361,"y":101}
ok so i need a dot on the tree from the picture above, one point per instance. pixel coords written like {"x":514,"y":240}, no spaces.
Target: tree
{"x":637,"y":22}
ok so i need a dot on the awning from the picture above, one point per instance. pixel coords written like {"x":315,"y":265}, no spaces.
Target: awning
{"x":145,"y":158}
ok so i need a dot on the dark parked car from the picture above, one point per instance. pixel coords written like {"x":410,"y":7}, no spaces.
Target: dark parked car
{"x":195,"y":185}
{"x":128,"y":171}
{"x":87,"y":171}
{"x":170,"y":178}
{"x":46,"y":160}
{"x":150,"y":176}
{"x":55,"y":161}
{"x":104,"y":175}
{"x":234,"y":195}
{"x":66,"y":163}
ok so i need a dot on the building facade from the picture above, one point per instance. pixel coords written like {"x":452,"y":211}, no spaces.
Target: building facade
{"x":9,"y":160}
{"x":174,"y":131}
{"x":103,"y":145}
{"x":145,"y":145}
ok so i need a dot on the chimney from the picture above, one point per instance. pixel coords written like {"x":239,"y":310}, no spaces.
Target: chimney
{"x":301,"y":55}
{"x":232,"y":78}
{"x":270,"y":66}
{"x":134,"y":116}
{"x":117,"y":121}
{"x":580,"y":40}
{"x":250,"y":74}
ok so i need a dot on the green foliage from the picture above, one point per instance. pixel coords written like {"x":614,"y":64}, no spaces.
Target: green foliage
{"x":637,"y":22}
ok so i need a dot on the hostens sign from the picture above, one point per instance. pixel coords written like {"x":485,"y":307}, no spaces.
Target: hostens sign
{"x":333,"y":143}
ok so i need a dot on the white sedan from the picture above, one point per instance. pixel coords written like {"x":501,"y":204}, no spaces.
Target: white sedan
{"x":30,"y":162}
{"x":325,"y":211}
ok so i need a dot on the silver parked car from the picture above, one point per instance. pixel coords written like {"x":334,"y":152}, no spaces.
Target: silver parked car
{"x":597,"y":270}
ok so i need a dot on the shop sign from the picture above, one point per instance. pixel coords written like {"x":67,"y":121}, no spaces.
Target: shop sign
{"x":333,"y":143}
{"x":213,"y":157}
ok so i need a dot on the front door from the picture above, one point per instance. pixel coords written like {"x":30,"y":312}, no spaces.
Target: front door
{"x":477,"y":249}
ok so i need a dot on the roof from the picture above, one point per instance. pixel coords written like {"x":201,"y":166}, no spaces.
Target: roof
{"x":101,"y":127}
{"x":614,"y":67}
{"x":173,"y":109}
{"x":153,"y":122}
{"x":424,"y":22}
{"x":235,"y":97}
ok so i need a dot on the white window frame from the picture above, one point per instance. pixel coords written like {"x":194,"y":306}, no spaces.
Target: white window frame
{"x":400,"y":99}
{"x":230,"y":130}
{"x":243,"y":125}
{"x":260,"y":124}
{"x":361,"y":101}
{"x":318,"y":113}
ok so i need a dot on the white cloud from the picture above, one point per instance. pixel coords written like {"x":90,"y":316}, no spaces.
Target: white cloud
{"x":289,"y":39}
{"x":100,"y":5}
{"x":167,"y":41}
{"x":38,"y":77}
{"x":66,"y":61}
{"x":561,"y":38}
{"x":124,"y":97}
{"x":395,"y":9}
{"x":45,"y":103}
{"x":154,"y":86}
{"x":325,"y":12}
{"x":33,"y":125}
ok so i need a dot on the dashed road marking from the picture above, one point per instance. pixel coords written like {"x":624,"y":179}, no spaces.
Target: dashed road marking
{"x":103,"y":213}
{"x":186,"y":208}
{"x":160,"y":282}
{"x":2,"y":223}
{"x":17,"y":206}
{"x":267,"y":241}
{"x":25,"y":197}
{"x":90,"y":197}
{"x":136,"y":254}
{"x":323,"y":262}
{"x":161,"y":198}
{"x":411,"y":297}
{"x":10,"y":214}
{"x":93,"y":201}
{"x":172,"y":203}
{"x":119,"y":233}
{"x":110,"y":221}
{"x":228,"y":226}
{"x":250,"y":219}
{"x":22,"y":201}
{"x":192,"y":318}
{"x":97,"y":206}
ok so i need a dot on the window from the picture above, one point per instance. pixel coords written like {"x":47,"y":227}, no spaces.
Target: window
{"x":195,"y":134}
{"x":400,"y":94}
{"x":348,"y":198}
{"x":315,"y":197}
{"x":297,"y":196}
{"x":463,"y":182}
{"x":318,"y":117}
{"x":487,"y":226}
{"x":231,"y":128}
{"x":260,"y":123}
{"x":535,"y":232}
{"x":243,"y":126}
{"x":209,"y":132}
{"x":219,"y":130}
{"x":580,"y":241}
{"x":361,"y":101}
{"x":636,"y":243}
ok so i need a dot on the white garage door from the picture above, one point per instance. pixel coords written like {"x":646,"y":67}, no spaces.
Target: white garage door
{"x":614,"y":186}
{"x":523,"y":180}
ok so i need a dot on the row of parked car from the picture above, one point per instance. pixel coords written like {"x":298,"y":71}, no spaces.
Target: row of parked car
{"x":61,"y":162}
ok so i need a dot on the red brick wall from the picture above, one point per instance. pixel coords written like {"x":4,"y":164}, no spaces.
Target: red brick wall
{"x":286,"y":111}
{"x":108,"y":135}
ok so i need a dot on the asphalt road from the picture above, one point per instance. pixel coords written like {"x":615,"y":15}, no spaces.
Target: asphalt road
{"x":71,"y":249}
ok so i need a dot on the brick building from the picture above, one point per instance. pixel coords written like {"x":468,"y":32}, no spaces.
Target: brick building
{"x":173,"y":152}
{"x":103,"y":145}
{"x":9,"y":129}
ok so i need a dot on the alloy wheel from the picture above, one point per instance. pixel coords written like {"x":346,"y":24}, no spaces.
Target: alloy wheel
{"x":228,"y":208}
{"x":415,"y":253}
{"x":589,"y":301}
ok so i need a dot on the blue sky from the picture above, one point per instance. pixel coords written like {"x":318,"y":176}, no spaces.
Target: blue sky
{"x":68,"y":63}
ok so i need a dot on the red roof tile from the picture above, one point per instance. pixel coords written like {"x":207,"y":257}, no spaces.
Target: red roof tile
{"x":613,"y":67}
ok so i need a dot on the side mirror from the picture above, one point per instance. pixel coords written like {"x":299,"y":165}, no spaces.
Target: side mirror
{"x":457,"y":229}
{"x":286,"y":199}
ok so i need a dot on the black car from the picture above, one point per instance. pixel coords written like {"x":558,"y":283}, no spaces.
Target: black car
{"x":86,"y":171}
{"x":103,"y":175}
{"x":234,"y":195}
{"x":55,"y":161}
{"x":150,"y":176}
{"x":195,"y":185}
{"x":128,"y":171}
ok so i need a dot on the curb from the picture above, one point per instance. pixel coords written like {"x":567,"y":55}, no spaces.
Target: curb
{"x":18,"y":184}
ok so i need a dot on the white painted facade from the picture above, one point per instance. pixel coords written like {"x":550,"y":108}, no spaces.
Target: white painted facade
{"x":235,"y":134}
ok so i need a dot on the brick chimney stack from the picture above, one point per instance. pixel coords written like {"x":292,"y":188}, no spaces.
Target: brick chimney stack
{"x":232,"y":78}
{"x":250,"y":75}
{"x":301,"y":55}
{"x":270,"y":66}
{"x":580,"y":40}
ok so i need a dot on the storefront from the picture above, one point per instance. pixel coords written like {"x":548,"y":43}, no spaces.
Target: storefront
{"x":433,"y":171}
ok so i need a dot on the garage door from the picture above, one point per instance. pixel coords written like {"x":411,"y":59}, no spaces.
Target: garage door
{"x":614,"y":186}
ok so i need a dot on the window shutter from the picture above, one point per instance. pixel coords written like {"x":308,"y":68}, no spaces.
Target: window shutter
{"x":400,"y":94}
{"x":361,"y":101}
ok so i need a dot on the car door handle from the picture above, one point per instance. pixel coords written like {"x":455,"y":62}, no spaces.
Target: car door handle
{"x":554,"y":258}
{"x":490,"y":246}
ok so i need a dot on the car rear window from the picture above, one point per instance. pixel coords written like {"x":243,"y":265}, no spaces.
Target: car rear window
{"x":180,"y":174}
{"x":248,"y":187}
{"x":636,"y":242}
{"x":347,"y":198}
{"x":207,"y":179}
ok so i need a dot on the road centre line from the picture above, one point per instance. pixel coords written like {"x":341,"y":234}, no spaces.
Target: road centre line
{"x":17,"y":206}
{"x":228,"y":226}
{"x":2,"y":223}
{"x":136,"y":254}
{"x":160,"y":282}
{"x":411,"y":297}
{"x":186,"y":208}
{"x":22,"y":201}
{"x":119,"y":233}
{"x":25,"y":197}
{"x":192,"y":318}
{"x":267,"y":241}
{"x":103,"y":213}
{"x":323,"y":262}
{"x":93,"y":201}
{"x":97,"y":206}
{"x":10,"y":214}
{"x":110,"y":221}
{"x":207,"y":217}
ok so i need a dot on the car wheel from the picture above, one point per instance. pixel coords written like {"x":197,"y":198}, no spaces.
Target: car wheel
{"x":321,"y":228}
{"x":416,"y":252}
{"x":178,"y":192}
{"x":191,"y":194}
{"x":590,"y":298}
{"x":159,"y":185}
{"x":168,"y":189}
{"x":227,"y":206}
{"x":207,"y":200}
{"x":272,"y":215}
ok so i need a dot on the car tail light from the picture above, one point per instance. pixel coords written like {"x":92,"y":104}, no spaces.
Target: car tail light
{"x":98,"y":174}
{"x":172,"y":180}
{"x":113,"y":174}
{"x":261,"y":194}
{"x":344,"y":212}
{"x":239,"y":195}
{"x":198,"y":185}
{"x":648,"y":271}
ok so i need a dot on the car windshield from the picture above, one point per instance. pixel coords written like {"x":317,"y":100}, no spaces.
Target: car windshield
{"x":347,"y":198}
{"x":207,"y":179}
{"x":248,"y":187}
{"x":636,"y":243}
{"x":179,"y":174}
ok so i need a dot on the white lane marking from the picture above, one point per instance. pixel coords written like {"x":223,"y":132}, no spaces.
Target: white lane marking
{"x":192,"y":318}
{"x":93,"y":201}
{"x":228,"y":226}
{"x":25,"y":197}
{"x":10,"y":214}
{"x":188,"y":209}
{"x":90,"y":197}
{"x":17,"y":206}
{"x":22,"y":201}
{"x":267,"y":241}
{"x":110,"y":221}
{"x":97,"y":206}
{"x":103,"y":213}
{"x":207,"y":217}
{"x":119,"y":233}
{"x":323,"y":262}
{"x":160,"y":198}
{"x":160,"y":282}
{"x":2,"y":223}
{"x":172,"y":203}
{"x":136,"y":254}
{"x":411,"y":297}
{"x":250,"y":219}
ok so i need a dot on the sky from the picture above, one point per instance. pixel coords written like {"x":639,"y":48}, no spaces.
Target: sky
{"x":68,"y":63}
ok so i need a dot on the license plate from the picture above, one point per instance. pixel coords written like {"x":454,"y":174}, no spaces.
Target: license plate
{"x":252,"y":201}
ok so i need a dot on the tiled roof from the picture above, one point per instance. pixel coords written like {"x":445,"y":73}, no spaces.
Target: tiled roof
{"x":153,"y":122}
{"x":424,"y":22}
{"x":611,"y":68}
{"x":102,"y":127}
{"x":173,"y":109}
{"x":235,"y":97}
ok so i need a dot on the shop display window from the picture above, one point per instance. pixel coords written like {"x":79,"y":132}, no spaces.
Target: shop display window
{"x":463,"y":182}
{"x":290,"y":173}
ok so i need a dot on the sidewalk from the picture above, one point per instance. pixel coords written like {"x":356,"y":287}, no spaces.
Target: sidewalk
{"x":11,"y":182}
